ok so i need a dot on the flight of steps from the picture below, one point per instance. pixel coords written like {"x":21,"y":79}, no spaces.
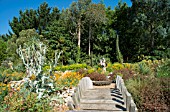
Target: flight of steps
{"x":101,"y":99}
{"x":90,"y":98}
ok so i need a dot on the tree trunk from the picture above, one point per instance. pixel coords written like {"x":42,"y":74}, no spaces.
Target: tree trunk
{"x":152,"y":37}
{"x":89,"y":38}
{"x":119,"y":54}
{"x":79,"y":33}
{"x":79,"y":41}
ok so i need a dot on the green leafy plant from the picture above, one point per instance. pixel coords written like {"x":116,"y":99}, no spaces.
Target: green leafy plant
{"x":43,"y":85}
{"x":3,"y":91}
{"x":117,"y":66}
{"x":109,"y":67}
{"x":144,"y":68}
{"x":70,"y":67}
{"x":118,"y":52}
{"x":91,"y":70}
{"x":82,"y":71}
{"x":9,"y":75}
{"x":147,"y":93}
{"x":134,"y":86}
{"x":25,"y":100}
{"x":164,"y":69}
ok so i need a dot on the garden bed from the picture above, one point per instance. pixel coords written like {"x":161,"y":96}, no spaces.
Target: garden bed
{"x":101,"y":83}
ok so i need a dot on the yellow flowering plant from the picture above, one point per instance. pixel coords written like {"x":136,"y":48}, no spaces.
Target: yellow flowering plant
{"x":70,"y":67}
{"x":24,"y":100}
{"x":3,"y":91}
{"x":69,"y":79}
{"x":117,"y":66}
{"x":109,"y":67}
{"x":32,"y":77}
{"x":91,"y":70}
{"x":127,"y":65}
{"x":7,"y":75}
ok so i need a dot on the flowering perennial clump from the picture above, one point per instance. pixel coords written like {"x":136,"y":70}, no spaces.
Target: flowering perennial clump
{"x":69,"y":79}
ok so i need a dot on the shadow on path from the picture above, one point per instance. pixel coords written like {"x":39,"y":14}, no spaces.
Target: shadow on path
{"x":121,"y":107}
{"x":117,"y":97}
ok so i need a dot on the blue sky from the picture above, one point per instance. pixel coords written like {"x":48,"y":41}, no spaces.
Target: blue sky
{"x":10,"y":8}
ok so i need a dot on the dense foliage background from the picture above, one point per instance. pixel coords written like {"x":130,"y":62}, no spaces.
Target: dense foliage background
{"x":87,"y":31}
{"x":137,"y":37}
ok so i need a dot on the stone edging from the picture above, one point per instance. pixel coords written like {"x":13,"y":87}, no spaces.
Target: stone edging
{"x":127,"y":97}
{"x":101,"y":83}
{"x":84,"y":84}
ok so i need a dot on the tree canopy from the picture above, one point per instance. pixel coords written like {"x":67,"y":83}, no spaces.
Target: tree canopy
{"x":88,"y":29}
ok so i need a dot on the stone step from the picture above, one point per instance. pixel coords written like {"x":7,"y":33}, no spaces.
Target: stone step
{"x":96,"y":101}
{"x":101,"y":99}
{"x":97,"y":94}
{"x":94,"y":111}
{"x":97,"y":91}
{"x":94,"y":97}
{"x":99,"y":106}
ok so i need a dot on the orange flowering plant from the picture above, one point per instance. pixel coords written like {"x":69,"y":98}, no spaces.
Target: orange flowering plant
{"x":7,"y":75}
{"x":24,"y":100}
{"x":69,"y":79}
{"x":3,"y":91}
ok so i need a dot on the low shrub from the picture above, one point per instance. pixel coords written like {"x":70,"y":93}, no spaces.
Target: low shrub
{"x":134,"y":85}
{"x":8,"y":75}
{"x":127,"y":65}
{"x":69,"y":79}
{"x":135,"y":67}
{"x":3,"y":91}
{"x":91,"y":70}
{"x":165,"y":89}
{"x":112,"y":76}
{"x":125,"y":73}
{"x":46,"y":68}
{"x":144,"y":68}
{"x":26,"y":101}
{"x":109,"y":67}
{"x":164,"y":69}
{"x":147,"y":67}
{"x":100,"y":70}
{"x":70,"y":67}
{"x":97,"y":77}
{"x":117,"y":66}
{"x":152,"y":96}
{"x":82,"y":71}
{"x":56,"y":76}
{"x":147,"y":94}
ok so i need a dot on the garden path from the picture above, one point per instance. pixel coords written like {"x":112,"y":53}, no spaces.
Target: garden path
{"x":101,"y":99}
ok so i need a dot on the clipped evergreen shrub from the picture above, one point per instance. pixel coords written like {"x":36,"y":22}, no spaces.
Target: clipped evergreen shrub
{"x":70,"y":67}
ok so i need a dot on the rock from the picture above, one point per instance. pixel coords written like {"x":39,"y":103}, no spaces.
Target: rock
{"x":65,"y":95}
{"x":70,"y":94}
{"x":64,"y":92}
{"x":71,"y":90}
{"x":68,"y":90}
{"x":61,"y":96}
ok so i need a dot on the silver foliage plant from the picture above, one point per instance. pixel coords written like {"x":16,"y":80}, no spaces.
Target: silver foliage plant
{"x":34,"y":57}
